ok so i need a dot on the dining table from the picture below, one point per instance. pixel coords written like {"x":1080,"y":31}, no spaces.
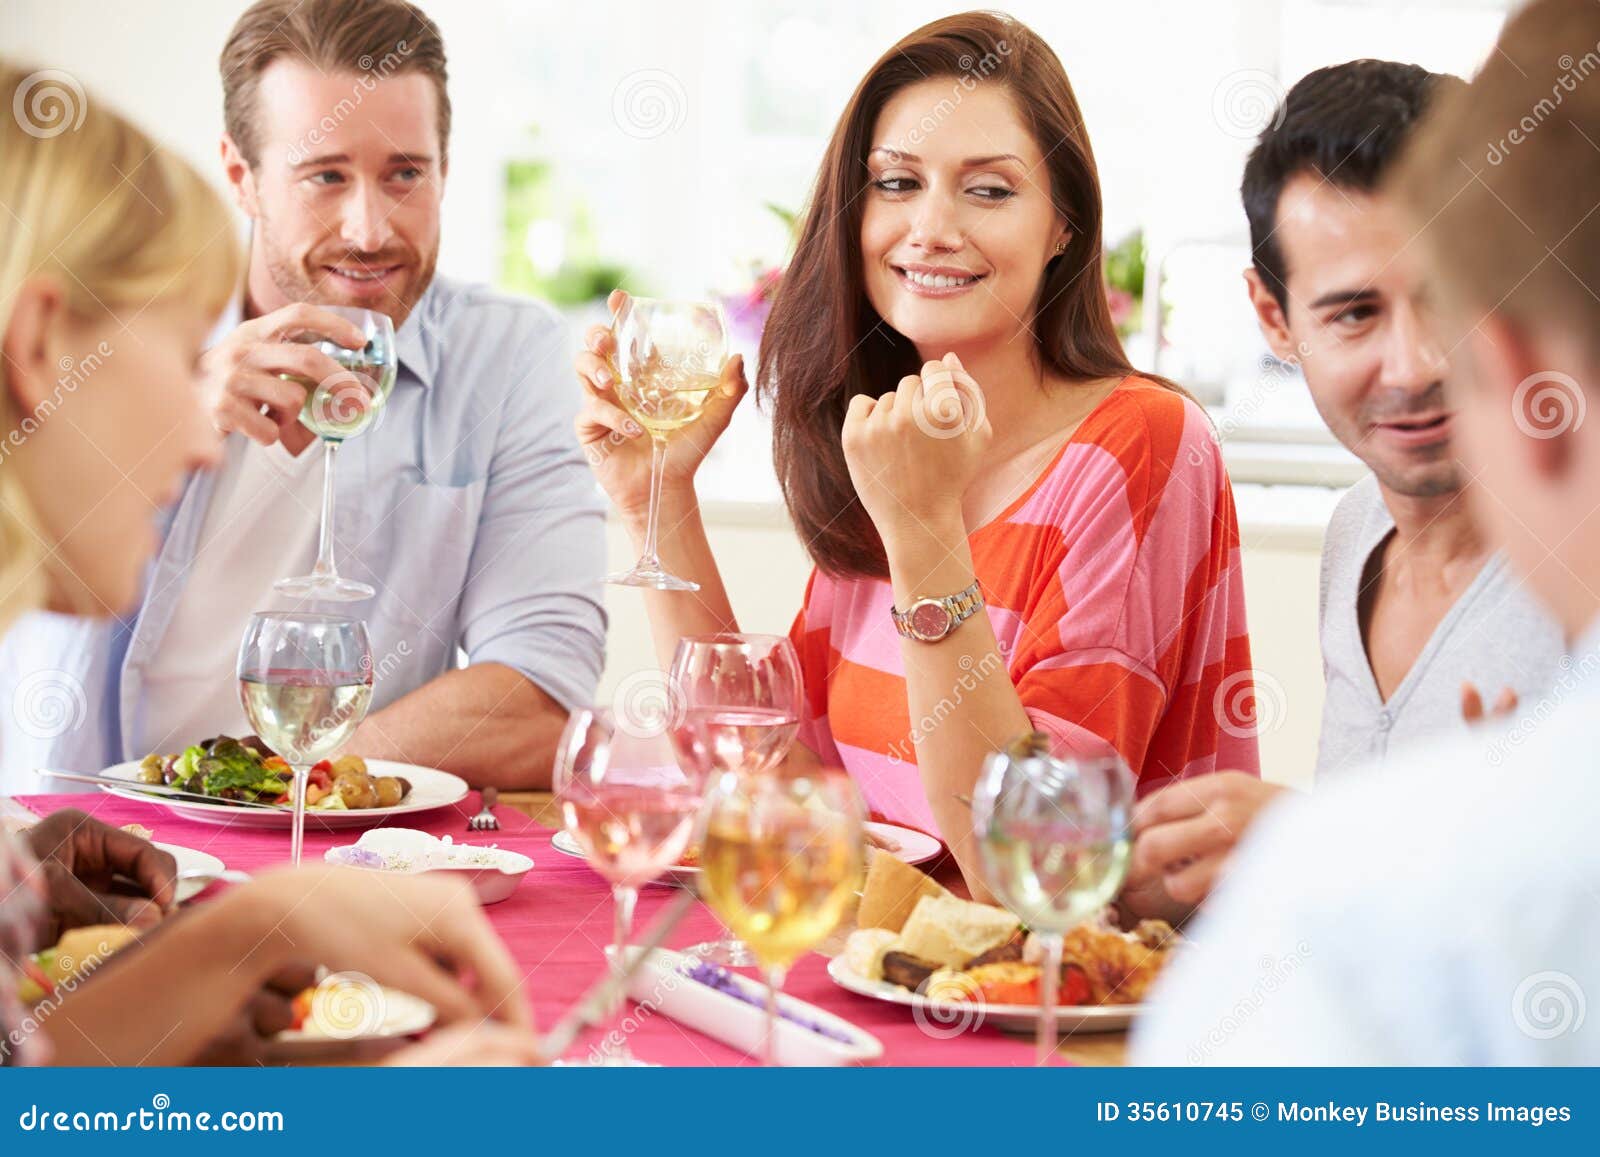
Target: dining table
{"x":558,"y":922}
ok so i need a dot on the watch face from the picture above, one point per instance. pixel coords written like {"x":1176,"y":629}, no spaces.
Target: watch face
{"x":930,"y":621}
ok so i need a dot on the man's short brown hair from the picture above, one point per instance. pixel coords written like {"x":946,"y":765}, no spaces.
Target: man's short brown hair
{"x":1504,"y":176}
{"x":372,"y":38}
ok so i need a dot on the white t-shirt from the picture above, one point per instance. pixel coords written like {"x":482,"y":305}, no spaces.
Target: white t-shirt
{"x":261,"y":525}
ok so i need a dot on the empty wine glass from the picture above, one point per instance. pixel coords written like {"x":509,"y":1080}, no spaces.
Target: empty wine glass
{"x":736,"y":702}
{"x":629,"y":806}
{"x":669,"y":355}
{"x":1053,"y":835}
{"x":305,"y":682}
{"x":343,"y":406}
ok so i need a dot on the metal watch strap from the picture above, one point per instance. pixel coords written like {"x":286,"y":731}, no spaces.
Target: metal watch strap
{"x":960,"y":606}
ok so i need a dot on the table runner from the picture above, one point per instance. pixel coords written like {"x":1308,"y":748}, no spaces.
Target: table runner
{"x":557,"y":925}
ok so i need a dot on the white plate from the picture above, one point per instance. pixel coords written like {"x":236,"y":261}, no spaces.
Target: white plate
{"x":430,"y":788}
{"x":192,"y":860}
{"x":369,"y":1013}
{"x":663,"y":986}
{"x":952,"y":1017}
{"x":911,"y":846}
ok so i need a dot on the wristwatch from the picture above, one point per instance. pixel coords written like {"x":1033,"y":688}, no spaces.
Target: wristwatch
{"x":929,"y":620}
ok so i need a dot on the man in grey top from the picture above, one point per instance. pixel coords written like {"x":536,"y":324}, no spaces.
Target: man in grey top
{"x":1420,"y":619}
{"x":465,"y":505}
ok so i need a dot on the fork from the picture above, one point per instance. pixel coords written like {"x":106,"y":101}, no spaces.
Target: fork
{"x":484,"y":821}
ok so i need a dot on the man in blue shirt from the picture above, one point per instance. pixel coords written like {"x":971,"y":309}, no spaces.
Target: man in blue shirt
{"x":467,"y":506}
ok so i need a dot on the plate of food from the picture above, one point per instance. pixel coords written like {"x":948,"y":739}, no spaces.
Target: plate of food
{"x":959,"y":965}
{"x":907,"y":845}
{"x":238,"y":774}
{"x":348,"y":1007}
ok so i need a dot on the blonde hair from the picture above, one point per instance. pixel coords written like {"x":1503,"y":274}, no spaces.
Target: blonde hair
{"x":1502,"y":174}
{"x":118,"y":222}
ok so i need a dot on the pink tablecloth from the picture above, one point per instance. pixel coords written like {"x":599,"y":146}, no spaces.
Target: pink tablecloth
{"x":557,"y":925}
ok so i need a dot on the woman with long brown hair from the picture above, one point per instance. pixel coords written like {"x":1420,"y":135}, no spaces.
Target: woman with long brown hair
{"x":957,"y":430}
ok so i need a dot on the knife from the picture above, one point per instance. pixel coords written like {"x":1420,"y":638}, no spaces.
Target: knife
{"x":154,"y":789}
{"x":594,"y":1006}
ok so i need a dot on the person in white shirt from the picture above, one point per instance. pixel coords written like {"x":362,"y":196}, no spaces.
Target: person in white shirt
{"x":1441,"y":908}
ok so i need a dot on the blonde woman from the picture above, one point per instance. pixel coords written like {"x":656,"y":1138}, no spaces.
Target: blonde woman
{"x":115,"y":261}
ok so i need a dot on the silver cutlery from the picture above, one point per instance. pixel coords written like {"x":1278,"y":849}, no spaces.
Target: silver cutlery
{"x":153,"y":789}
{"x":484,"y":821}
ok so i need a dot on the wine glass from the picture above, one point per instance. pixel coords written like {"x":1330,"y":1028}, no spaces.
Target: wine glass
{"x":346,"y":404}
{"x":736,"y":702}
{"x":1053,"y":836}
{"x":669,"y":357}
{"x":629,"y":806}
{"x":305,"y":682}
{"x":782,"y":861}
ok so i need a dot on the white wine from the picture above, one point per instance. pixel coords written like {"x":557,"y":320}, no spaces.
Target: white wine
{"x":662,"y":398}
{"x":305,"y":721}
{"x":783,"y":888}
{"x":734,"y":739}
{"x":1047,"y":873}
{"x":348,"y":402}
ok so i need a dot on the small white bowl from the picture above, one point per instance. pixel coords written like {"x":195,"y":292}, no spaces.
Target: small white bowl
{"x":493,"y":872}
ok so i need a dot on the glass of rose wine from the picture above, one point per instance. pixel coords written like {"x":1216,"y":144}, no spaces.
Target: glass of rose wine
{"x":669,"y":355}
{"x":1053,"y":826}
{"x":736,"y":702}
{"x":305,"y":682}
{"x":782,"y":861}
{"x":629,"y":806}
{"x":343,"y":406}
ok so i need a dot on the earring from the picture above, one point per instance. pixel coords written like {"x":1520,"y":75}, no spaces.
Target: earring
{"x":1061,"y":247}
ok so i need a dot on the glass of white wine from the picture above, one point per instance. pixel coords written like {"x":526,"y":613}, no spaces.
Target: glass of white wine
{"x":669,"y":355}
{"x":344,"y":405}
{"x":782,"y":860}
{"x":1053,"y":828}
{"x":736,"y":708}
{"x":305,"y":682}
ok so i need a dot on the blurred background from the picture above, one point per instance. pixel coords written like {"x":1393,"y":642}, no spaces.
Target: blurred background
{"x":667,"y":148}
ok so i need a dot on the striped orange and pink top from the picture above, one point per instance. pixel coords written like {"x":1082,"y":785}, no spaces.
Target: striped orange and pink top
{"x":1114,"y":588}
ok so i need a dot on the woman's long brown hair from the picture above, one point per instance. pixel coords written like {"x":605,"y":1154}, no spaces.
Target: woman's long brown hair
{"x":824,"y":343}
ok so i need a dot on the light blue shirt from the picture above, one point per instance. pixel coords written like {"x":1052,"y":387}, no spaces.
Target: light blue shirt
{"x":470,"y":509}
{"x":1438,"y":909}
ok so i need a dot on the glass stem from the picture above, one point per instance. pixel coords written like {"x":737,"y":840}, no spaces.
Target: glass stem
{"x":1049,"y":987}
{"x":769,"y":1039}
{"x":623,"y":900}
{"x":658,"y":469}
{"x":325,"y":567}
{"x":302,"y":774}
